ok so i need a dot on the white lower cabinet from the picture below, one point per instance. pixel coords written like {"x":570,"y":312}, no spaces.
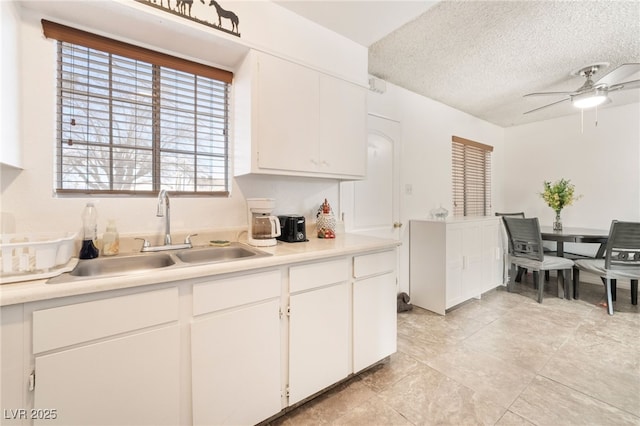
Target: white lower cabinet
{"x":374,"y":308}
{"x":232,"y":349}
{"x":112,"y":361}
{"x":236,"y":350}
{"x":453,"y":261}
{"x":319,"y":327}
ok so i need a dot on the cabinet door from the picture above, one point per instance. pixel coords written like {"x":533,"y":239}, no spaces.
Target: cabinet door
{"x":492,"y":264}
{"x":472,"y":261}
{"x":455,"y":265}
{"x":236,"y":365}
{"x":374,"y":320}
{"x":319,"y":348}
{"x":343,"y":127}
{"x":287,"y":115}
{"x":128,"y":380}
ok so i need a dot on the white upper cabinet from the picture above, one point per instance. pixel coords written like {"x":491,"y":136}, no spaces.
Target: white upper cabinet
{"x":293,"y":120}
{"x":287,"y":118}
{"x":343,"y":127}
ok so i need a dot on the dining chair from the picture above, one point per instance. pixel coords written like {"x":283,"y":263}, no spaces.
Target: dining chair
{"x":621,"y":261}
{"x":526,"y":251}
{"x":514,"y":214}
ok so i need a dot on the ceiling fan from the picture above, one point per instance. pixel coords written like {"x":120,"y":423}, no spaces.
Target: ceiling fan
{"x":591,"y":93}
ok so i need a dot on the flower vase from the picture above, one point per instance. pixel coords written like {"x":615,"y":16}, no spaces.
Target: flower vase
{"x":557,"y":224}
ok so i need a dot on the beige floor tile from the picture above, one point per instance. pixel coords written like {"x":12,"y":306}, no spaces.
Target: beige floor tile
{"x":384,"y":375}
{"x":546,"y":402}
{"x":511,"y":419}
{"x":430,"y":397}
{"x":487,"y":375}
{"x":373,"y":412}
{"x":601,"y":368}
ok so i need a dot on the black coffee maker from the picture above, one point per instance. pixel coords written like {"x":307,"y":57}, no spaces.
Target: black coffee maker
{"x":293,"y":228}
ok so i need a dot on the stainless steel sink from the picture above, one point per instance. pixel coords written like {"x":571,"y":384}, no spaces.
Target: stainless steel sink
{"x":146,"y":262}
{"x":114,"y":266}
{"x":235,"y":251}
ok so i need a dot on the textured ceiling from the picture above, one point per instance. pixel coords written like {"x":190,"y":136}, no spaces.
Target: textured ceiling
{"x":481,"y":57}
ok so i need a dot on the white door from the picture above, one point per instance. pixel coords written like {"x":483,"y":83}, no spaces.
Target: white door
{"x":371,"y":206}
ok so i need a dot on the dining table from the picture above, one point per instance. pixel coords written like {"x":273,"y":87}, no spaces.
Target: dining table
{"x":576,"y":235}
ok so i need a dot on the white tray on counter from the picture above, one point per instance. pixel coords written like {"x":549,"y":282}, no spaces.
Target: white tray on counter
{"x":31,"y":256}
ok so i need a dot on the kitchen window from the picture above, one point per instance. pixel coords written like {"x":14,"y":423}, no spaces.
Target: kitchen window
{"x":135,"y":121}
{"x":471,"y":164}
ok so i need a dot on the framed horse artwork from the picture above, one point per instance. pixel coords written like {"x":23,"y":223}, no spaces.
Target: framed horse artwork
{"x":203,"y":12}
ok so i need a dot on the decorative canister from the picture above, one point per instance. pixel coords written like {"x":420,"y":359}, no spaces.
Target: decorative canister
{"x":325,"y":221}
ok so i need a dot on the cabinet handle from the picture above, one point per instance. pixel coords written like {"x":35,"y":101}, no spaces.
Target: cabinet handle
{"x":397,"y":224}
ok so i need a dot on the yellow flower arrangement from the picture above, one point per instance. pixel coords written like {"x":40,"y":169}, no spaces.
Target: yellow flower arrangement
{"x":560,"y":194}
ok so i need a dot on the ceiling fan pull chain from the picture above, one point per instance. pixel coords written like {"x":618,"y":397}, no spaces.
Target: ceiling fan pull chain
{"x":596,"y":115}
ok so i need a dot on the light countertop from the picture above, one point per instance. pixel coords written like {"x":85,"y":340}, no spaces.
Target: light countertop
{"x":283,"y":253}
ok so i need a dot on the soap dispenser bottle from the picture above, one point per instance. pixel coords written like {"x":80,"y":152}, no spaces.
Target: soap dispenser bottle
{"x":111,"y":240}
{"x":89,"y":232}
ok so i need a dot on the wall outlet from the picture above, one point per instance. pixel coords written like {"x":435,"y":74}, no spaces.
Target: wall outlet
{"x":408,"y":189}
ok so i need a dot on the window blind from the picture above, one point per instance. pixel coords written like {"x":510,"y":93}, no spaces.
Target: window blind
{"x":471,"y":170}
{"x":132,"y":126}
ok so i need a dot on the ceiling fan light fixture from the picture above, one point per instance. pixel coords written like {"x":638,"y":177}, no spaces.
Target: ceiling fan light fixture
{"x":589,"y":99}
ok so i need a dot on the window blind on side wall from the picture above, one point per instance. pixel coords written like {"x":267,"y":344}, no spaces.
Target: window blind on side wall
{"x":471,"y":176}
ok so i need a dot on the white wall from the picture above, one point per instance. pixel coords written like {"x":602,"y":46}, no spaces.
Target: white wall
{"x":28,"y":199}
{"x":603,"y":162}
{"x":425,"y":161}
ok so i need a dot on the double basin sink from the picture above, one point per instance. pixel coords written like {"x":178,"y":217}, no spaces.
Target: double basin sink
{"x":146,"y":262}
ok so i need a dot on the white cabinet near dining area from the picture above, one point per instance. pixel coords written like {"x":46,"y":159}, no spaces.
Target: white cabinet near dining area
{"x":453,"y":261}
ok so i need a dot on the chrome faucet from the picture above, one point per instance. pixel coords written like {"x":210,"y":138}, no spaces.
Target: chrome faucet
{"x":164,"y":210}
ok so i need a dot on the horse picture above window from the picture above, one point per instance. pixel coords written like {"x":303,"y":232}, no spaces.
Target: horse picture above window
{"x":203,"y":12}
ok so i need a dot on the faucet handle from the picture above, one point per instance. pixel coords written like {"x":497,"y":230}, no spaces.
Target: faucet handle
{"x":187,"y":240}
{"x":145,"y":243}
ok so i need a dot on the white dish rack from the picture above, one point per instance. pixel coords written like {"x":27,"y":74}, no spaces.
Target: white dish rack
{"x":31,"y":256}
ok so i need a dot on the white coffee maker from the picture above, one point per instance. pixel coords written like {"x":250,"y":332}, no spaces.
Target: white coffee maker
{"x":263,"y":226}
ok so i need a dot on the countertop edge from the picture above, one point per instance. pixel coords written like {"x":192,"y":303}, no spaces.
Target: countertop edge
{"x":282,"y":254}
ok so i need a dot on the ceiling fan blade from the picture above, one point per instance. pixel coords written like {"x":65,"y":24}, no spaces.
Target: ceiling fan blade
{"x":618,"y":74}
{"x":633,"y":84}
{"x":548,"y":105}
{"x":549,"y":93}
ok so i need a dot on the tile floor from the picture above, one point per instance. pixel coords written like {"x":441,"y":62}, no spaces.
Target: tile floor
{"x":501,"y":360}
